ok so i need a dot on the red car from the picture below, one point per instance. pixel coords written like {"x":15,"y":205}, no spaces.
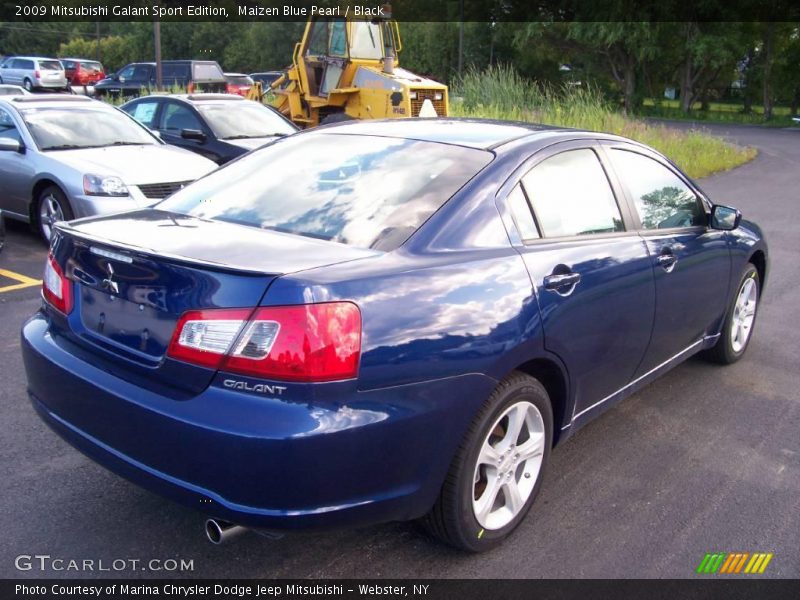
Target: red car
{"x":83,"y":73}
{"x":238,"y":83}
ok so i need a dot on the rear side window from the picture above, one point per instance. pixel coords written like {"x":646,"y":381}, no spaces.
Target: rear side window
{"x":521,"y":212}
{"x":175,"y":72}
{"x":364,"y":191}
{"x":662,"y":199}
{"x":571,"y":195}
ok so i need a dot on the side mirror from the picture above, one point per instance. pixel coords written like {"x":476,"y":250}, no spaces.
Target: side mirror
{"x":193,"y":134}
{"x":10,"y":145}
{"x":724,"y":218}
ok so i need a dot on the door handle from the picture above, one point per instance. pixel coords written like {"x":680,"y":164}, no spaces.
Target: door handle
{"x":667,"y":262}
{"x":556,"y":283}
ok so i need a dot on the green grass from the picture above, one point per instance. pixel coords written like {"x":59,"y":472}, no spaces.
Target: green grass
{"x":718,"y":112}
{"x":500,"y":93}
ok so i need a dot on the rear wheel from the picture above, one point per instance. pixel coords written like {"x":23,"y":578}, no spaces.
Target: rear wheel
{"x":498,"y":469}
{"x":28,"y":85}
{"x":739,"y":321}
{"x":52,"y":206}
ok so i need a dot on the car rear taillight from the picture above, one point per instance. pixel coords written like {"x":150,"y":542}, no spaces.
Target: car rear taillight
{"x":309,"y":342}
{"x":56,"y":288}
{"x":36,"y":74}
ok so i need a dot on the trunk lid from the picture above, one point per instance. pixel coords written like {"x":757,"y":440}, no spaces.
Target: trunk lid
{"x":134,"y":274}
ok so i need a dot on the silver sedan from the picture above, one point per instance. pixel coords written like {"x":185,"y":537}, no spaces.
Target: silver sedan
{"x":65,"y":157}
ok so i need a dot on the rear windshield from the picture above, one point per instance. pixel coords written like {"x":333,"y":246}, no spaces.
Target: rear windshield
{"x":239,"y":79}
{"x":364,"y":191}
{"x":50,"y":65}
{"x":208,"y":72}
{"x":91,"y":66}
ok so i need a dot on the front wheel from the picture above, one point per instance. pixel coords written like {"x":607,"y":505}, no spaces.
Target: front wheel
{"x":52,"y":207}
{"x":498,"y":469}
{"x":739,"y":320}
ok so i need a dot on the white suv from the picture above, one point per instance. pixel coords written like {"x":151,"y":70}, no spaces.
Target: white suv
{"x":34,"y":73}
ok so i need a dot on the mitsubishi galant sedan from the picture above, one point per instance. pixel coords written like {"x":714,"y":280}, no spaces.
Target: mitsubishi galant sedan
{"x":63,"y":157}
{"x":384,"y":320}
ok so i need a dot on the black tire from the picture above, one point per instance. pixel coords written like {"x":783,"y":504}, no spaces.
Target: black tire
{"x":59,"y":198}
{"x":452,"y":519}
{"x":723,"y":352}
{"x":27,"y":85}
{"x":337,"y":117}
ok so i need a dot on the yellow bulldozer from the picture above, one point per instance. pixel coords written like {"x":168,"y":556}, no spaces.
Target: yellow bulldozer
{"x":349,"y":69}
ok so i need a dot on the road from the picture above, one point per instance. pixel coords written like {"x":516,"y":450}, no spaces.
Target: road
{"x":706,"y":459}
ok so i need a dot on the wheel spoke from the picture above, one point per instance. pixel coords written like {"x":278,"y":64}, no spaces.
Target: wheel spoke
{"x":513,"y":498}
{"x":484,"y":504}
{"x":488,"y":455}
{"x":533,"y":447}
{"x":516,"y":420}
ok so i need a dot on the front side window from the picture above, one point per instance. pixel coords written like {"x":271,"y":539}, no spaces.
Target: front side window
{"x":662,"y":199}
{"x":364,"y":191}
{"x":571,"y":195}
{"x":176,"y":117}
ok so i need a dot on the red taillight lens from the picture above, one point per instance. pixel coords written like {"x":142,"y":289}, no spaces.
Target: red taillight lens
{"x":56,"y":288}
{"x":36,"y":74}
{"x":311,"y":342}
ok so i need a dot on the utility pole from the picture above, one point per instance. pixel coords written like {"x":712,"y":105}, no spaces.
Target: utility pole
{"x":460,"y":37}
{"x":157,"y":42}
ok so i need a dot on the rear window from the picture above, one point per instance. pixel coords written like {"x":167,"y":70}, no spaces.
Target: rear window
{"x":364,"y":191}
{"x":239,"y":79}
{"x":50,"y":65}
{"x":208,"y":71}
{"x":92,"y":66}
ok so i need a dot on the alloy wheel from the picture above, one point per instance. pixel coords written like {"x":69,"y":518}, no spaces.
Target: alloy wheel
{"x":744,"y":313}
{"x":508,"y":465}
{"x":50,"y":212}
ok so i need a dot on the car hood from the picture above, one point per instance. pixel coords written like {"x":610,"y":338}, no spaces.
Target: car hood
{"x":137,"y":165}
{"x":252,"y":143}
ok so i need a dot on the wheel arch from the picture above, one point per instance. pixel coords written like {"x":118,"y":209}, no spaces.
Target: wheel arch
{"x":554,"y":378}
{"x":43,"y":182}
{"x":759,"y":260}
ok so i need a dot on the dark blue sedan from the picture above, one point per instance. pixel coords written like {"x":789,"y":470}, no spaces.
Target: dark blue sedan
{"x":384,"y":321}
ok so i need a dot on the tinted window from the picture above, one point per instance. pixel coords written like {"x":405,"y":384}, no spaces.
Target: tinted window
{"x":23,"y":64}
{"x":50,"y":65}
{"x":141,"y":73}
{"x":175,"y":71}
{"x":365,"y":191}
{"x":73,"y":127}
{"x":68,"y":64}
{"x":175,"y":117}
{"x":92,"y":66}
{"x":521,"y":212}
{"x":207,"y":72}
{"x":662,"y":199}
{"x":571,"y":195}
{"x":144,"y":112}
{"x":239,"y":79}
{"x":126,"y":73}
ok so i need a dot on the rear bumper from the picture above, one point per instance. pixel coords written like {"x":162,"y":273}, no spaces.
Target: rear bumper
{"x":358,"y":458}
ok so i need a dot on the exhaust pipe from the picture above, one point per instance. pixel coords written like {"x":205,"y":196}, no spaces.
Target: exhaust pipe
{"x":219,"y":532}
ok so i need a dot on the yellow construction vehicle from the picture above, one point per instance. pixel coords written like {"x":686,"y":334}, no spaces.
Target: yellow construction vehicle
{"x":349,"y":69}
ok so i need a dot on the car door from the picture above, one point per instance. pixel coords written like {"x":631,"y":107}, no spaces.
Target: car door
{"x":16,"y":171}
{"x":690,"y":261}
{"x":16,"y":74}
{"x":177,"y":117}
{"x":7,"y":71}
{"x":591,"y":273}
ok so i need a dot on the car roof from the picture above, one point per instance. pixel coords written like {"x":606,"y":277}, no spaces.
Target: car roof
{"x":35,"y":57}
{"x":194,"y":98}
{"x":485,"y":134}
{"x":81,"y":59}
{"x":53,"y":100}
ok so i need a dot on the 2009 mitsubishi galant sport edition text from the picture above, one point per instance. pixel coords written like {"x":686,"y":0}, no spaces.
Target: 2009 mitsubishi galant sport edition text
{"x":384,"y":320}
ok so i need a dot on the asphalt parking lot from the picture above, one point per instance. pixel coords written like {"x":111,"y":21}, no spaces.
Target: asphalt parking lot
{"x":707,"y":459}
